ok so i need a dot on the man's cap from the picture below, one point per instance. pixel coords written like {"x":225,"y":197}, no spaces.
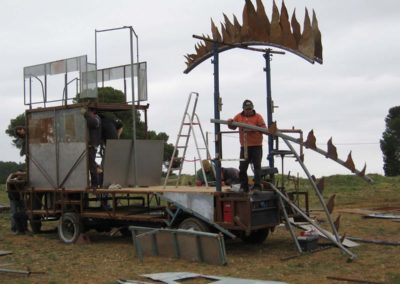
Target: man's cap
{"x":247,"y":104}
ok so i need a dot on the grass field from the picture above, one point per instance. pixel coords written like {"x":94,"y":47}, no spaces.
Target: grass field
{"x":108,"y":258}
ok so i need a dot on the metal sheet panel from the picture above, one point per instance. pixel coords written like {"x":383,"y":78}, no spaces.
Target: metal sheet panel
{"x":180,"y":277}
{"x":42,"y":165}
{"x":200,"y":203}
{"x":73,"y":165}
{"x":118,"y":162}
{"x":57,"y":145}
{"x":185,"y":244}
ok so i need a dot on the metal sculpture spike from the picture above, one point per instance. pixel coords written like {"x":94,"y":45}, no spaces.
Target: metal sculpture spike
{"x":258,"y":29}
{"x":311,"y":140}
{"x":332,"y":153}
{"x":336,"y":223}
{"x":362,"y":172}
{"x":349,"y":163}
{"x":330,"y":205}
{"x":321,"y":185}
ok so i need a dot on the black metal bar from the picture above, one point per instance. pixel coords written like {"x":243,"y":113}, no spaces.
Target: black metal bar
{"x":217,"y":127}
{"x":267,"y":70}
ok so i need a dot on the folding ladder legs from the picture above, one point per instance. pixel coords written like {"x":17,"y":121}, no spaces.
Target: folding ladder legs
{"x":189,"y":120}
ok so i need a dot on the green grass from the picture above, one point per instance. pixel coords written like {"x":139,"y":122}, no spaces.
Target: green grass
{"x":110,"y":258}
{"x":3,"y":195}
{"x":351,"y":190}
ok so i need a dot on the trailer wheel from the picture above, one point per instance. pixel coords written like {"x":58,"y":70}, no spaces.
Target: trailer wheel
{"x":256,"y":237}
{"x":69,"y":227}
{"x":194,"y":224}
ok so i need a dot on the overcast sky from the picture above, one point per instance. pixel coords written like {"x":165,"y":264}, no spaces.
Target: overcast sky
{"x":346,"y":98}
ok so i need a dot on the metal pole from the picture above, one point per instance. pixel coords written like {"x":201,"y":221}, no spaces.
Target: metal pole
{"x":95,"y":51}
{"x":217,"y":127}
{"x":45,"y":84}
{"x":312,"y":222}
{"x":267,"y":70}
{"x":292,"y":139}
{"x":30,"y":92}
{"x":289,"y":226}
{"x":133,"y":110}
{"x":321,"y":199}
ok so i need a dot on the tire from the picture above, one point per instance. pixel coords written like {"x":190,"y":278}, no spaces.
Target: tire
{"x":69,"y":227}
{"x":256,"y":237}
{"x":194,"y":224}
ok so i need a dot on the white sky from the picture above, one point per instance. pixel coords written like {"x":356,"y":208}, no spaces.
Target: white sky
{"x":346,"y":98}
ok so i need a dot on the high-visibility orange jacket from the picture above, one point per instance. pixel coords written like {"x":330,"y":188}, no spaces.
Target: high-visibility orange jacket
{"x":249,"y":137}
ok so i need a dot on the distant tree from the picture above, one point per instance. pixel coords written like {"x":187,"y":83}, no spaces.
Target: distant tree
{"x":18,"y":121}
{"x":7,"y":168}
{"x":390,"y":143}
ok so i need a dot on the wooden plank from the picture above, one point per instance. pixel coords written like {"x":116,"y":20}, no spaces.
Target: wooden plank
{"x":150,"y":189}
{"x":160,"y":189}
{"x":123,"y":216}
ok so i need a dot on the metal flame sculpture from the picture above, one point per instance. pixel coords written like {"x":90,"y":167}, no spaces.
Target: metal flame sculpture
{"x":257,"y":29}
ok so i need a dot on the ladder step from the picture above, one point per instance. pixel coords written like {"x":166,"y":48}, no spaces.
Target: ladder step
{"x":183,"y":135}
{"x":180,"y":147}
{"x":194,"y":123}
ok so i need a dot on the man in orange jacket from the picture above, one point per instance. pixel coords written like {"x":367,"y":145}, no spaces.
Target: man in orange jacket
{"x":251,"y":141}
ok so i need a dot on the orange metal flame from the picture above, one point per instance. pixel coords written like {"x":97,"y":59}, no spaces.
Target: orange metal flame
{"x":311,"y":140}
{"x":332,"y":153}
{"x":349,"y":163}
{"x":257,"y":29}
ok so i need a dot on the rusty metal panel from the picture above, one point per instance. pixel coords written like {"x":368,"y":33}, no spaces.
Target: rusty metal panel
{"x":118,"y":162}
{"x":57,"y":149}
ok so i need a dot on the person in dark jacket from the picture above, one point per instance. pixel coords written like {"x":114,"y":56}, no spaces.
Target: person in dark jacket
{"x":111,"y":127}
{"x":93,"y":122}
{"x":14,"y":183}
{"x":230,"y":176}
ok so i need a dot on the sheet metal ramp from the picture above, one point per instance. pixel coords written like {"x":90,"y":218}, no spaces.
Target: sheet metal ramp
{"x":181,"y":208}
{"x":186,"y":244}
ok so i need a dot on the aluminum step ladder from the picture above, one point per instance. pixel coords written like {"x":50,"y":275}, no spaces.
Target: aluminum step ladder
{"x":189,"y":121}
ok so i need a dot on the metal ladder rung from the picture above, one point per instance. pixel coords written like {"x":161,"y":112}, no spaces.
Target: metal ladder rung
{"x":189,"y":119}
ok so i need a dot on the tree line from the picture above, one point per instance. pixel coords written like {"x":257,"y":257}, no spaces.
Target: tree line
{"x":7,"y":168}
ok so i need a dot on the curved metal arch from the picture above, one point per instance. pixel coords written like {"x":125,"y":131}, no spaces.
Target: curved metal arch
{"x":246,"y":45}
{"x":257,"y":29}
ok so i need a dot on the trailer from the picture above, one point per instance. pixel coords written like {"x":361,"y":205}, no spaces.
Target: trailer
{"x":58,"y":181}
{"x":58,"y":185}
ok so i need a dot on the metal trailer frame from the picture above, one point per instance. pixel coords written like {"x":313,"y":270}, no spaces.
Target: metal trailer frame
{"x":54,"y":195}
